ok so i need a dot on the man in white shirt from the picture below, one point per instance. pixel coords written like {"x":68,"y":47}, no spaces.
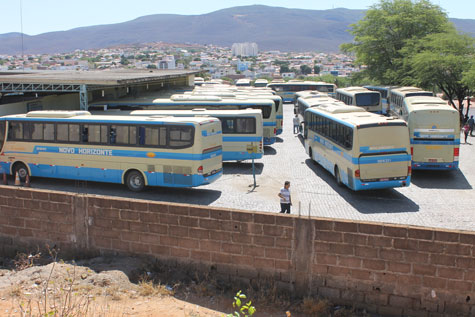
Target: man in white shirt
{"x":296,"y":124}
{"x":285,"y":200}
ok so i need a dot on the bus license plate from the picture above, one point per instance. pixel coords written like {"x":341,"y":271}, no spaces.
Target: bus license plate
{"x":433,"y":160}
{"x":383,"y":179}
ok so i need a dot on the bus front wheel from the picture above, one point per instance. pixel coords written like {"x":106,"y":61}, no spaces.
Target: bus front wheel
{"x":135,"y":181}
{"x":22,"y":171}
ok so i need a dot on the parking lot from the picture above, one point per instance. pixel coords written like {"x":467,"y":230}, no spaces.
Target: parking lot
{"x":434,"y":199}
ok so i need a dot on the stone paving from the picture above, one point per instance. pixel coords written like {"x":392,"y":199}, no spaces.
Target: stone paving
{"x":434,"y":199}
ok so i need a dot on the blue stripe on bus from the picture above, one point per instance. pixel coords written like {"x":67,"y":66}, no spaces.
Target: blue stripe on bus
{"x":269,"y":124}
{"x":384,"y":159}
{"x":366,"y":149}
{"x":240,"y":156}
{"x":435,"y":166}
{"x":438,"y":136}
{"x":122,"y":153}
{"x":279,"y":116}
{"x":205,"y":133}
{"x":114,"y":175}
{"x":455,"y":142}
{"x":242,"y":139}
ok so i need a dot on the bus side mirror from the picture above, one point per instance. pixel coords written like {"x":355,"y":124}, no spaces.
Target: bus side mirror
{"x":295,"y":111}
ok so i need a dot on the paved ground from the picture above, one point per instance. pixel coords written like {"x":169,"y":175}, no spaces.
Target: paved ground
{"x":434,"y":199}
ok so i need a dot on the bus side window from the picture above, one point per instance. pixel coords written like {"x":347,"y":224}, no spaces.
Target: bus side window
{"x":113,"y":136}
{"x":85,"y":134}
{"x":141,"y":136}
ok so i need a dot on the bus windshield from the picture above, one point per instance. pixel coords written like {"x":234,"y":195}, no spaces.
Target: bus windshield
{"x":369,"y":99}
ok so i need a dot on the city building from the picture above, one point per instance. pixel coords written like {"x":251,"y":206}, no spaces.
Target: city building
{"x":244,"y":49}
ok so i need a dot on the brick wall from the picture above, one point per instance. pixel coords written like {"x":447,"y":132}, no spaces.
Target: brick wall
{"x":387,"y":269}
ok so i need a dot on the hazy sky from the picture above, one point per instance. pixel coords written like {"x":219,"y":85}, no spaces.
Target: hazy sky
{"x":57,"y":15}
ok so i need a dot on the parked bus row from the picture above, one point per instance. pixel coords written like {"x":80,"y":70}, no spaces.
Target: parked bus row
{"x":432,"y":134}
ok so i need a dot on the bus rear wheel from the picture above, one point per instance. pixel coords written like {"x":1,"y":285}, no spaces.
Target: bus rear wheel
{"x":338,"y":177}
{"x":135,"y":181}
{"x":22,"y":171}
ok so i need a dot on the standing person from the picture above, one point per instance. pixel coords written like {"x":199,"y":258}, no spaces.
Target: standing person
{"x":296,"y":124}
{"x":471,"y":123}
{"x":285,"y":200}
{"x":466,"y":129}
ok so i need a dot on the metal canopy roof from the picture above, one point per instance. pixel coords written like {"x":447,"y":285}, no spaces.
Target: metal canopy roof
{"x":81,"y":81}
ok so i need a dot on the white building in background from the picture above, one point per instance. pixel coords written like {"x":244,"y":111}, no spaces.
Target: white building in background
{"x":167,"y":62}
{"x":244,"y":49}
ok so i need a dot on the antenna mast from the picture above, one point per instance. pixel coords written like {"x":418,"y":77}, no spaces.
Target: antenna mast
{"x":21,"y":28}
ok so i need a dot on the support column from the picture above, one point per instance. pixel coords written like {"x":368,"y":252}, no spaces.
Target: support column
{"x":83,"y":103}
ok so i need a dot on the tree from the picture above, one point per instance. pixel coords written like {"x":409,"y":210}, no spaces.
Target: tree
{"x":305,"y":69}
{"x":440,"y":60}
{"x":124,"y":61}
{"x":386,"y":29}
{"x":316,"y":69}
{"x":284,"y":68}
{"x":151,"y":66}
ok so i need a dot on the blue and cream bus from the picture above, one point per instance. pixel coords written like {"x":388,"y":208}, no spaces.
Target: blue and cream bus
{"x":397,"y":95}
{"x":434,"y":129}
{"x":361,"y":150}
{"x":136,"y":151}
{"x":361,"y":97}
{"x":241,"y":129}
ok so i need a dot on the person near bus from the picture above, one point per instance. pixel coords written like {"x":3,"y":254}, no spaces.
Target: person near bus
{"x":285,"y":199}
{"x":466,"y":129}
{"x":296,"y":124}
{"x":471,"y":123}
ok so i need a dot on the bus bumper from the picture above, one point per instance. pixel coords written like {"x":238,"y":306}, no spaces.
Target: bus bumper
{"x":207,"y":179}
{"x":435,"y":166}
{"x":279,"y":131}
{"x":359,"y":185}
{"x":240,"y":156}
{"x":269,"y":141}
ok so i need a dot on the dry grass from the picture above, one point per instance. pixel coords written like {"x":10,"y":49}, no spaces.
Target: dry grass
{"x":147,"y":288}
{"x":316,"y":307}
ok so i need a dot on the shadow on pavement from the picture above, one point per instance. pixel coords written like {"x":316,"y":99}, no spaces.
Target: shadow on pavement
{"x":242,"y":168}
{"x":368,"y":201}
{"x":440,"y":179}
{"x":269,"y":150}
{"x":195,"y":195}
{"x":279,"y":140}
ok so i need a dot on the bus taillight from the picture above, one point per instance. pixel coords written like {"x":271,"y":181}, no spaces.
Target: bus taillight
{"x":281,"y":123}
{"x":409,"y":170}
{"x":412,"y":151}
{"x":200,"y":170}
{"x":260,"y":145}
{"x":275,"y":130}
{"x":456,"y":153}
{"x":357,"y":173}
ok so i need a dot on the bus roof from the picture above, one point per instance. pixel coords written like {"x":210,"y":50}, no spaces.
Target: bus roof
{"x":404,"y":90}
{"x":312,"y":102}
{"x":355,"y":116}
{"x":427,"y":103}
{"x":51,"y":116}
{"x":194,"y":99}
{"x":300,"y":82}
{"x":355,"y":89}
{"x":310,"y":94}
{"x":197,"y":112}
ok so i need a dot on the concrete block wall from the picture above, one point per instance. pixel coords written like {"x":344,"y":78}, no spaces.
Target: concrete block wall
{"x":387,"y":269}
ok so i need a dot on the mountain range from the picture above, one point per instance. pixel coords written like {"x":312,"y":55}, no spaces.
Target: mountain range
{"x":273,"y":28}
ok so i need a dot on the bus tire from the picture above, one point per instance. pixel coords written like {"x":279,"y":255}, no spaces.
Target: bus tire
{"x":135,"y":181}
{"x":310,"y":153}
{"x":338,"y":177}
{"x":21,"y":169}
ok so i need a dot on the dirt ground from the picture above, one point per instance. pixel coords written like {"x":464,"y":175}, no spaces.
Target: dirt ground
{"x":108,"y":286}
{"x":36,"y":285}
